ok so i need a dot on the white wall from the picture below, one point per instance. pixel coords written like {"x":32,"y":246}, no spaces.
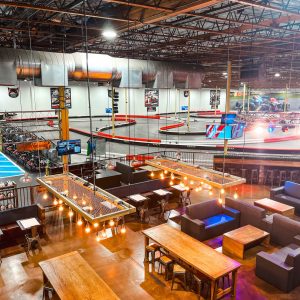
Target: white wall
{"x":32,"y":98}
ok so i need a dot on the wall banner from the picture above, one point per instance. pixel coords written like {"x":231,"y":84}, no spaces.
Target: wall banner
{"x":54,"y":94}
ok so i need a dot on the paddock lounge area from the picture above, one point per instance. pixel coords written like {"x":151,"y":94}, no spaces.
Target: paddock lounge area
{"x":149,"y":150}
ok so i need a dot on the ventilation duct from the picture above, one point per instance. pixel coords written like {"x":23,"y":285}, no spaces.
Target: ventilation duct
{"x":55,"y":69}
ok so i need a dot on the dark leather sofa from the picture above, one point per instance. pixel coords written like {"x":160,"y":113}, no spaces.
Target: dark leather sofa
{"x":282,"y":268}
{"x":208,"y":219}
{"x":130,"y":175}
{"x":288,"y":194}
{"x":9,"y":218}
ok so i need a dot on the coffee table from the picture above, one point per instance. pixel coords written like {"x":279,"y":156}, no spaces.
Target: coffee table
{"x":275,"y":207}
{"x":237,"y":241}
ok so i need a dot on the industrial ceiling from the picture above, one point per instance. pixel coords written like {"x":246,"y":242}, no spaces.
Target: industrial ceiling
{"x":260,"y":37}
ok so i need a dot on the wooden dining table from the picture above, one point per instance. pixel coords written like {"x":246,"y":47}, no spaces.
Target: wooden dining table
{"x":73,"y":278}
{"x":196,"y":255}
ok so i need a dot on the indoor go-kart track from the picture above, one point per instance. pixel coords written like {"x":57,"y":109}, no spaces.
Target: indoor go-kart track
{"x":145,"y":135}
{"x":147,"y":132}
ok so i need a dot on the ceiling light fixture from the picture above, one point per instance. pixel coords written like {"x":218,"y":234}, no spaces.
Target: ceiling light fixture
{"x":109,"y":34}
{"x":277,"y":75}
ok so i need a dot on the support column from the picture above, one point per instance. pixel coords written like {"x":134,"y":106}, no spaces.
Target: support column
{"x":189,"y":110}
{"x":244,"y":96}
{"x":113,"y":112}
{"x":227,"y":104}
{"x":64,"y":125}
{"x":126,"y":104}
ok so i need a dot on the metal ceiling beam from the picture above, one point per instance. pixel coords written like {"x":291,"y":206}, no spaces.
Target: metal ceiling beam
{"x":63,"y":11}
{"x":267,"y":7}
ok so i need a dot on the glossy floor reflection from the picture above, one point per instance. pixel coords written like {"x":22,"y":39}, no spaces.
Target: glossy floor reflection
{"x":119,"y":261}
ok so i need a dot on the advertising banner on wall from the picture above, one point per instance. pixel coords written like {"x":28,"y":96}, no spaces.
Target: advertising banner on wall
{"x":54,"y":94}
{"x":34,"y":146}
{"x":151,"y":98}
{"x":214,"y":99}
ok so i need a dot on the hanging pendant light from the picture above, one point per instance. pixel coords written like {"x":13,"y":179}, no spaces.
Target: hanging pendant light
{"x":235,"y":195}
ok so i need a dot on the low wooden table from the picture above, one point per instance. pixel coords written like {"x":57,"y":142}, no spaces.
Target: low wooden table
{"x":237,"y":241}
{"x":198,"y":256}
{"x":72,"y":278}
{"x":275,"y":207}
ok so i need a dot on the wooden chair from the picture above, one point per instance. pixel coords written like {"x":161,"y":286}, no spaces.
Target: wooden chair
{"x":167,"y":262}
{"x":179,"y":272}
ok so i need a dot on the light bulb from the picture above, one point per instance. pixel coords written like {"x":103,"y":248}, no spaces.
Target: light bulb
{"x":220,"y":200}
{"x":55,"y":202}
{"x":187,"y":188}
{"x":172,"y":176}
{"x":165,"y":171}
{"x":123,"y":230}
{"x":87,"y":229}
{"x":152,"y":174}
{"x":83,"y":202}
{"x":98,"y":238}
{"x":111,"y":223}
{"x":171,"y":182}
{"x":197,"y":189}
{"x":235,"y":195}
{"x":45,"y":196}
{"x":71,"y":213}
{"x":109,"y":34}
{"x":222,"y":191}
{"x":192,"y":182}
{"x":79,"y":222}
{"x":96,"y":225}
{"x":162,"y":176}
{"x":200,"y":188}
{"x":181,"y":183}
{"x":60,"y":201}
{"x":184,"y":178}
{"x":75,"y":197}
{"x":201,"y":182}
{"x":104,"y":233}
{"x":210,"y":193}
{"x":61,"y":208}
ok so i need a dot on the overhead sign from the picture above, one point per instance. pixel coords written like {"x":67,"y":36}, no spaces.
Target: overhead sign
{"x":34,"y":146}
{"x":108,"y":110}
{"x":184,"y":108}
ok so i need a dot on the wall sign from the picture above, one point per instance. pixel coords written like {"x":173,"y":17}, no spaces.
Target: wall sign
{"x":13,"y":92}
{"x":184,"y":108}
{"x":54,"y":94}
{"x":214,"y":100}
{"x":151,"y":97}
{"x":186,"y":93}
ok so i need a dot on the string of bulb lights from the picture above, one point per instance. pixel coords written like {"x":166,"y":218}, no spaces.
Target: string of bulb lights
{"x":198,"y":186}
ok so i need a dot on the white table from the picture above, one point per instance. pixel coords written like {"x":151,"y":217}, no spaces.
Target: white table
{"x":161,"y":192}
{"x":137,"y":198}
{"x":179,"y":187}
{"x":25,"y":224}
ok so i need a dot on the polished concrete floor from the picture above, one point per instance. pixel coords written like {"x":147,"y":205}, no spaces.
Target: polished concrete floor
{"x":119,"y":261}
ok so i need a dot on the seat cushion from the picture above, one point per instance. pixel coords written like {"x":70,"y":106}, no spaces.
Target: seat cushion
{"x":292,"y":189}
{"x":281,"y":254}
{"x":217,"y":220}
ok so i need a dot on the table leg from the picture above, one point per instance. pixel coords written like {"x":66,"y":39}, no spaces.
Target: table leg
{"x":213,"y":294}
{"x":234,"y":280}
{"x":146,"y":244}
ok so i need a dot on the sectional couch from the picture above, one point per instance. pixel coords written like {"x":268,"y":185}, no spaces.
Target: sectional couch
{"x":209,"y":219}
{"x":282,"y":267}
{"x":288,"y":194}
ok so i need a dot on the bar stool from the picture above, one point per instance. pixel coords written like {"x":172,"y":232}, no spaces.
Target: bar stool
{"x":178,"y":272}
{"x":187,"y":199}
{"x":167,"y":262}
{"x":222,"y":280}
{"x":269,"y":177}
{"x":46,"y":291}
{"x":151,"y":249}
{"x":232,"y":171}
{"x":254,"y":176}
{"x":244,"y":173}
{"x":294,"y":175}
{"x":282,"y":177}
